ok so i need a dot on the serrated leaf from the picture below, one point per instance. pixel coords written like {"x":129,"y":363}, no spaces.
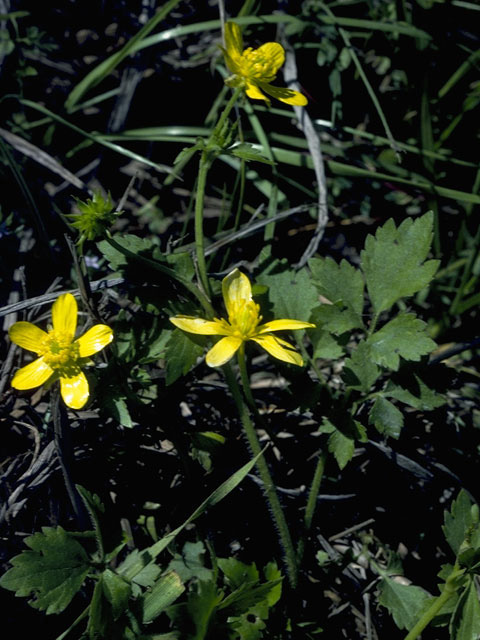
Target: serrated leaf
{"x":386,"y":417}
{"x":97,"y":618}
{"x":360,"y":371}
{"x":339,"y":283}
{"x":202,"y":604}
{"x":416,"y":394}
{"x":53,"y":571}
{"x":164,"y":592}
{"x":248,"y":595}
{"x":237,"y":572}
{"x":342,"y":442}
{"x":458,"y":521}
{"x":133,"y":243}
{"x":182,"y":263}
{"x":190,"y":563}
{"x":247,"y":152}
{"x":273,"y":573}
{"x":324,"y":344}
{"x":404,"y":602}
{"x":465,"y":623}
{"x":181,"y":353}
{"x":117,"y":591}
{"x":119,"y":410}
{"x":335,"y":319}
{"x":405,"y":337}
{"x":291,"y":294}
{"x":394,"y":261}
{"x":248,"y":626}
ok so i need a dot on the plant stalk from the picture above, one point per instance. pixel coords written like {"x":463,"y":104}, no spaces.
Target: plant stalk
{"x":269,"y":487}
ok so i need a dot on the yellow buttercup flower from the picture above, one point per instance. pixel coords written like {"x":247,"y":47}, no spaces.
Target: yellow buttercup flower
{"x":61,"y":356}
{"x":243,"y":324}
{"x":255,"y":69}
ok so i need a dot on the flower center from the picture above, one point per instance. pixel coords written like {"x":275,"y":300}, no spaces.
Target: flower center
{"x":254,"y":64}
{"x":244,"y":319}
{"x":61,"y":353}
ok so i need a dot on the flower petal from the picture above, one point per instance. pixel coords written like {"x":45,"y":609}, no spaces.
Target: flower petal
{"x":237,"y":290}
{"x":27,"y":335}
{"x":281,"y":325}
{"x":95,"y":339}
{"x":64,"y":314}
{"x":254,"y":92}
{"x":289,"y":96}
{"x":74,"y":391}
{"x":200,"y":326}
{"x":275,"y":54}
{"x":222,"y":352}
{"x":233,"y":40}
{"x":276,"y":347}
{"x":33,"y":375}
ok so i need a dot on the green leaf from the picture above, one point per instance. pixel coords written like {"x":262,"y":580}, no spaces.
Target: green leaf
{"x":237,"y":572}
{"x":119,"y":410}
{"x":386,"y":417}
{"x":360,"y":372}
{"x":117,"y":591}
{"x":405,"y":337}
{"x":393,"y":261}
{"x":165,"y":591}
{"x":465,"y":622}
{"x":342,"y":447}
{"x":52,"y":572}
{"x":97,"y":616}
{"x":202,"y":605}
{"x":292,"y":294}
{"x":324,"y":344}
{"x":339,"y":283}
{"x":190,"y":563}
{"x":335,"y":319}
{"x":248,"y":152}
{"x":181,"y":353}
{"x":415,"y":393}
{"x":133,"y":243}
{"x":273,"y":573}
{"x":342,"y":440}
{"x":404,"y":602}
{"x":458,"y":521}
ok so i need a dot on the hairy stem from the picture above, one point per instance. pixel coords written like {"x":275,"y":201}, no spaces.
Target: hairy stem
{"x":268,"y":485}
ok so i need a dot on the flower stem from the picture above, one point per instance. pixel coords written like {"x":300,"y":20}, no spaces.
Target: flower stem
{"x":269,"y":487}
{"x":199,"y":237}
{"x":216,"y":140}
{"x":64,"y":449}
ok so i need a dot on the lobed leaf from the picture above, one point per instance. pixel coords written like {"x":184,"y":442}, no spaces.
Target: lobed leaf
{"x":394,"y":261}
{"x":404,"y":336}
{"x":404,"y":602}
{"x":339,"y":283}
{"x":386,"y":417}
{"x":52,"y":572}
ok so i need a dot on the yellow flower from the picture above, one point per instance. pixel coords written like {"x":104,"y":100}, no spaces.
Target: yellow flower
{"x":243,"y":324}
{"x":255,"y":69}
{"x":61,"y":356}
